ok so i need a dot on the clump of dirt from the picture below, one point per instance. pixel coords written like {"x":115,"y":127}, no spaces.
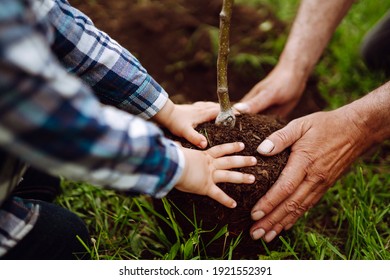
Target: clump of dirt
{"x":212,"y":216}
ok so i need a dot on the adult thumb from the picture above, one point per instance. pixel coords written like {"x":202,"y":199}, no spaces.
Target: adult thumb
{"x":258,"y":103}
{"x":280,"y":140}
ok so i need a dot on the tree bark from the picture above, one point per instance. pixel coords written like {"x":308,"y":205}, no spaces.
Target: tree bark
{"x":226,"y":116}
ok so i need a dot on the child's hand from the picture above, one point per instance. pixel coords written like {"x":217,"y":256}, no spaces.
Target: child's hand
{"x":182,"y":119}
{"x":204,"y":169}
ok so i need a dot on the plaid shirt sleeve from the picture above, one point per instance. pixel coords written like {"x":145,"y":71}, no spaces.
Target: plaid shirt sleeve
{"x":114,"y":74}
{"x":52,"y":120}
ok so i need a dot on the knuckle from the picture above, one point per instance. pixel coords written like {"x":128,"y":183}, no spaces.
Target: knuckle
{"x":291,"y":207}
{"x":308,"y":159}
{"x":288,"y":187}
{"x":317,"y":177}
{"x":294,"y":209}
{"x":270,"y":223}
{"x":315,"y":173}
{"x":229,"y":161}
{"x":320,"y":178}
{"x":282,"y":135}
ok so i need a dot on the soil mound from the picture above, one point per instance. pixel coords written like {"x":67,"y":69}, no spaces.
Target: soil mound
{"x":212,"y":216}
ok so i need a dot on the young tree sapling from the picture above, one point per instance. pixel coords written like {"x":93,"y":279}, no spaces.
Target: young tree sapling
{"x":226,"y":116}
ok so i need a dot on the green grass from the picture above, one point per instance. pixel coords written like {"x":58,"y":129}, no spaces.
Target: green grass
{"x":350,"y":222}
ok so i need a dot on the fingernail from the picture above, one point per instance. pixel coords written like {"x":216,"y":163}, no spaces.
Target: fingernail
{"x":241,"y":107}
{"x":258,"y":233}
{"x":251,"y":178}
{"x":203,"y":144}
{"x":257,"y":215}
{"x":254,"y":160}
{"x":234,"y":204}
{"x":266,"y":147}
{"x":270,"y":236}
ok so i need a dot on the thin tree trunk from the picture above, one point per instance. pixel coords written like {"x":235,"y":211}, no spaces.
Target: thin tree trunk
{"x":226,"y":116}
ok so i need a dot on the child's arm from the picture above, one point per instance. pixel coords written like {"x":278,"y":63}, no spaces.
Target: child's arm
{"x":51,"y":120}
{"x":116,"y":77}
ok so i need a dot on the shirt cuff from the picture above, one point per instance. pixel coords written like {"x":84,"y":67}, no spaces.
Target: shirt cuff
{"x":175,"y":152}
{"x":147,"y":101}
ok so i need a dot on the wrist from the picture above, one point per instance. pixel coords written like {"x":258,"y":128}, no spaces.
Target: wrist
{"x":164,"y":116}
{"x":372,"y":115}
{"x":179,"y":172}
{"x":185,"y":170}
{"x":298,"y":66}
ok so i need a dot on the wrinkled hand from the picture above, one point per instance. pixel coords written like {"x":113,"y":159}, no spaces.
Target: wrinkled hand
{"x":182,"y":119}
{"x":323,"y":145}
{"x":204,"y":169}
{"x":277,"y":94}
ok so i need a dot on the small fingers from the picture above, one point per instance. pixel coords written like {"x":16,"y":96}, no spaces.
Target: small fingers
{"x":229,"y":162}
{"x":209,"y":111}
{"x":220,"y":196}
{"x":225,"y":149}
{"x":195,"y":138}
{"x":233,"y":177}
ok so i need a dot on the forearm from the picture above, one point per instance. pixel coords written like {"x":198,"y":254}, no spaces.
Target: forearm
{"x":114,"y":74}
{"x":311,"y":31}
{"x":51,"y":120}
{"x":372,"y":114}
{"x":75,"y":137}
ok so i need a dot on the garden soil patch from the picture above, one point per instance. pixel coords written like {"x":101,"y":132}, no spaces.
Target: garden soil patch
{"x":175,"y":40}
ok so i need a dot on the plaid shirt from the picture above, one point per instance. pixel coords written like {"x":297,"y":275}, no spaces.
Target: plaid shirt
{"x":60,"y":81}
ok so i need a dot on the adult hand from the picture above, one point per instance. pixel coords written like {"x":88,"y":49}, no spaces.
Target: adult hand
{"x":204,"y":169}
{"x":277,"y":94}
{"x":181,"y":120}
{"x":323,"y":145}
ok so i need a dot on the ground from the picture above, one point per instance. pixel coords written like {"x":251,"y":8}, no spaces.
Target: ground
{"x":177,"y":42}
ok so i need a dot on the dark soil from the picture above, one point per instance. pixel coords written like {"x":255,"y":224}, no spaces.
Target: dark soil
{"x":251,"y":130}
{"x":175,"y":42}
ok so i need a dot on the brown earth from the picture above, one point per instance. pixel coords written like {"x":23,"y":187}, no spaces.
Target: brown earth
{"x":175,"y":40}
{"x":212,"y":216}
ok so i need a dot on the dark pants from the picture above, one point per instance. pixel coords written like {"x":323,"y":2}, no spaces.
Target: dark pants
{"x":53,"y":237}
{"x":56,"y":232}
{"x":375,"y":49}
